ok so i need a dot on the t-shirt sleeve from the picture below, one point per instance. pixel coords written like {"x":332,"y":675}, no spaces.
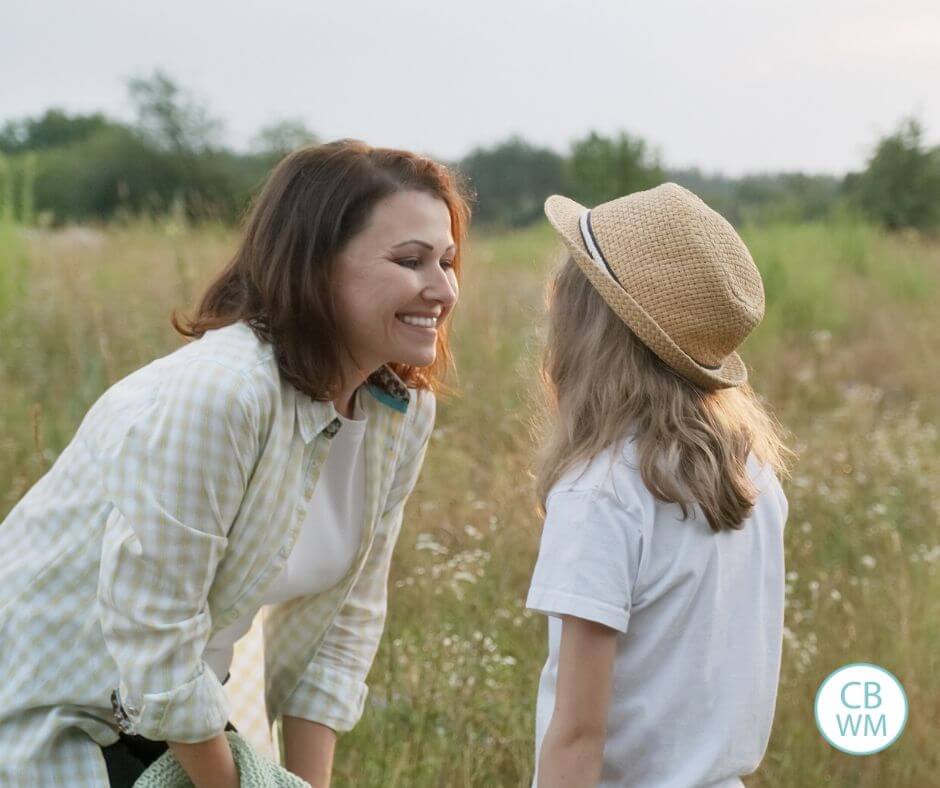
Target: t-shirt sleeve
{"x":588,"y":558}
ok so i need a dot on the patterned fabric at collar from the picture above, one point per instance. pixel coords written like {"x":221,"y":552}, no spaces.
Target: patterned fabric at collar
{"x":314,"y":416}
{"x":389,"y":389}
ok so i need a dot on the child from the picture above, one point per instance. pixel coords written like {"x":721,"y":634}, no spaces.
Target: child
{"x":661,"y":561}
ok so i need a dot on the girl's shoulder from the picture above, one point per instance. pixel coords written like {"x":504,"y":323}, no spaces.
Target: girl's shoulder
{"x":612,"y":473}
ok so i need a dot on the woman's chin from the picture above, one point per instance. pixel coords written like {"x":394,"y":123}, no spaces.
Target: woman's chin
{"x":416,"y":358}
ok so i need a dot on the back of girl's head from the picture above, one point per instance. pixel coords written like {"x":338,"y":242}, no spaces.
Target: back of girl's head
{"x":280,"y":280}
{"x":601,"y":384}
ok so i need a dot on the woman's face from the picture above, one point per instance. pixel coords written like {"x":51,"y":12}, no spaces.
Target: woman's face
{"x":395,"y":282}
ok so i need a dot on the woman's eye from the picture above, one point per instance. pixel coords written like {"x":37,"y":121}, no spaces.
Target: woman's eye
{"x":414,"y":262}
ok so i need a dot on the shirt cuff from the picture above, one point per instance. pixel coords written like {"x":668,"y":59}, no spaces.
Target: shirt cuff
{"x":193,"y":712}
{"x":560,"y":603}
{"x":328,"y":696}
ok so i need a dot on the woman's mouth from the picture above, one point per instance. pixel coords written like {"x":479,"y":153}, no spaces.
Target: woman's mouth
{"x":424,"y":323}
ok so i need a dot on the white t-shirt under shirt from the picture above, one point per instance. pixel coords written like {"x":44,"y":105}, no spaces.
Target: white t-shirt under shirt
{"x":328,"y":540}
{"x":701,"y":616}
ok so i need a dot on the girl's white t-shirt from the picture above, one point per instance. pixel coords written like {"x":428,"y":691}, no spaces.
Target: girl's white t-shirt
{"x":328,"y":540}
{"x":700,"y":617}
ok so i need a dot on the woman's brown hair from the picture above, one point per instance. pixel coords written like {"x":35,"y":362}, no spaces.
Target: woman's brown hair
{"x":280,"y":280}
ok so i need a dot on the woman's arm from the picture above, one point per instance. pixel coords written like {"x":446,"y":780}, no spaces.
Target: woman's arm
{"x":176,"y":479}
{"x":573,"y":747}
{"x":209,"y":763}
{"x":308,"y":750}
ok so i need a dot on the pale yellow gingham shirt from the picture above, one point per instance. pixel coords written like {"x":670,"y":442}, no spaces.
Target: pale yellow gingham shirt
{"x":165,"y":517}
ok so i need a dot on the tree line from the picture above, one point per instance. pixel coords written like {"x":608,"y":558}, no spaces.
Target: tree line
{"x":57,"y":168}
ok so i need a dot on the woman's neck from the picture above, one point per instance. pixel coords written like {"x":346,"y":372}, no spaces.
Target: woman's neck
{"x":344,"y":401}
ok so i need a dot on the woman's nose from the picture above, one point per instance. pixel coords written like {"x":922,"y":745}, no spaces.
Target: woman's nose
{"x":442,"y":287}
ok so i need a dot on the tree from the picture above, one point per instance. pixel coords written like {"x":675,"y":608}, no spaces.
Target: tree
{"x":283,"y":136}
{"x":113,"y":167}
{"x":603,"y":168}
{"x":50,"y":130}
{"x":787,"y":196}
{"x":901,"y":185}
{"x":512,"y":180}
{"x":171,"y":120}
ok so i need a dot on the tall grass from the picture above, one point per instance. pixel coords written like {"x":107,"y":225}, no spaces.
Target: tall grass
{"x":845,"y":357}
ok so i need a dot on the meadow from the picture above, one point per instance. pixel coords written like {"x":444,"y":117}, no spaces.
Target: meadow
{"x":846,"y":358}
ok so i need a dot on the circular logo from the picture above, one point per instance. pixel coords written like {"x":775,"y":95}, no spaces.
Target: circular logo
{"x":861,"y":708}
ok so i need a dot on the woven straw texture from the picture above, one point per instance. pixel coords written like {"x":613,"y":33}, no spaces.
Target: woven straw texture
{"x":254,"y":770}
{"x":689,"y":288}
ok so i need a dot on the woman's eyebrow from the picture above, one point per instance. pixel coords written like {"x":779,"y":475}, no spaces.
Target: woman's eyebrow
{"x":425,"y":244}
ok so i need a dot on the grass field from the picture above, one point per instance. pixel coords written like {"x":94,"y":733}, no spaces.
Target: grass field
{"x":846,"y":357}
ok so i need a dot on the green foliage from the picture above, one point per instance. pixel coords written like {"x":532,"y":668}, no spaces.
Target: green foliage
{"x":90,"y":167}
{"x":512,"y":180}
{"x":87,"y":167}
{"x":170,"y":119}
{"x":28,"y":189}
{"x":6,"y":190}
{"x":112,"y":169}
{"x":50,"y":130}
{"x":786,"y":197}
{"x":766,"y":198}
{"x":602,"y":168}
{"x":901,"y":185}
{"x":280,"y":138}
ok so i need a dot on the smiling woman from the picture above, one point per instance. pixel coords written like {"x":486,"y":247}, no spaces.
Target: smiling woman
{"x":266,"y":464}
{"x":327,"y":233}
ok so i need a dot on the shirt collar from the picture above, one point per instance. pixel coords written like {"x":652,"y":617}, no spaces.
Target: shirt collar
{"x":389,"y":389}
{"x":315,"y":416}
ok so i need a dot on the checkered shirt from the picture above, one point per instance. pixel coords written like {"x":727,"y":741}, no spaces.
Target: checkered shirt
{"x":164,"y":519}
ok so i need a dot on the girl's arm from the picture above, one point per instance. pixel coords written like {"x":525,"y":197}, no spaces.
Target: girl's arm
{"x":308,"y":747}
{"x":573,"y":746}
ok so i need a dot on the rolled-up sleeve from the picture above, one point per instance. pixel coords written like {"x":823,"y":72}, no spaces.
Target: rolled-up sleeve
{"x":332,"y":689}
{"x":588,"y":559}
{"x":176,"y":478}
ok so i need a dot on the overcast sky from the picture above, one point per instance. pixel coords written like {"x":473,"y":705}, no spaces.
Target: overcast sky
{"x":727,"y":85}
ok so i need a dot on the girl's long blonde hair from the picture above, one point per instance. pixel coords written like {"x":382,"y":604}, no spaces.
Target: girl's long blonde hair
{"x":600,"y":383}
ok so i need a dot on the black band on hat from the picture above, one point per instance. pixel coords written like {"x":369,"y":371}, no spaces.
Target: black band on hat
{"x":594,"y":249}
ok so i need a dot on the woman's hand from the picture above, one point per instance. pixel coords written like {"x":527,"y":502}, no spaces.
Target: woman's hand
{"x":308,"y":750}
{"x":572,"y":750}
{"x":209,"y":764}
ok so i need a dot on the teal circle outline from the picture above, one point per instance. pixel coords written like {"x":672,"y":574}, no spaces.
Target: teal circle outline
{"x":868,"y":665}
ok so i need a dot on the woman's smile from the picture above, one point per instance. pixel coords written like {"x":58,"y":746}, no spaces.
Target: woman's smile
{"x":423,"y":324}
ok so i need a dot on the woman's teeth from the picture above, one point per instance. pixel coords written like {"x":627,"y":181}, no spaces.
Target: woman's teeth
{"x":424,"y":322}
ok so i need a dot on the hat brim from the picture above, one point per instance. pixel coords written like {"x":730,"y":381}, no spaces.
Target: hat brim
{"x":565,"y":216}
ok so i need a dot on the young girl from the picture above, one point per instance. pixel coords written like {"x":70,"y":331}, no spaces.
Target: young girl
{"x":661,"y":562}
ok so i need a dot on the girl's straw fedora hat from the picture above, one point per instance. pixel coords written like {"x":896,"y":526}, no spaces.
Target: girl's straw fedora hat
{"x":674,"y":271}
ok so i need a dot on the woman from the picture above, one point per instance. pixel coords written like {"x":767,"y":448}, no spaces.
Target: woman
{"x":265,"y":463}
